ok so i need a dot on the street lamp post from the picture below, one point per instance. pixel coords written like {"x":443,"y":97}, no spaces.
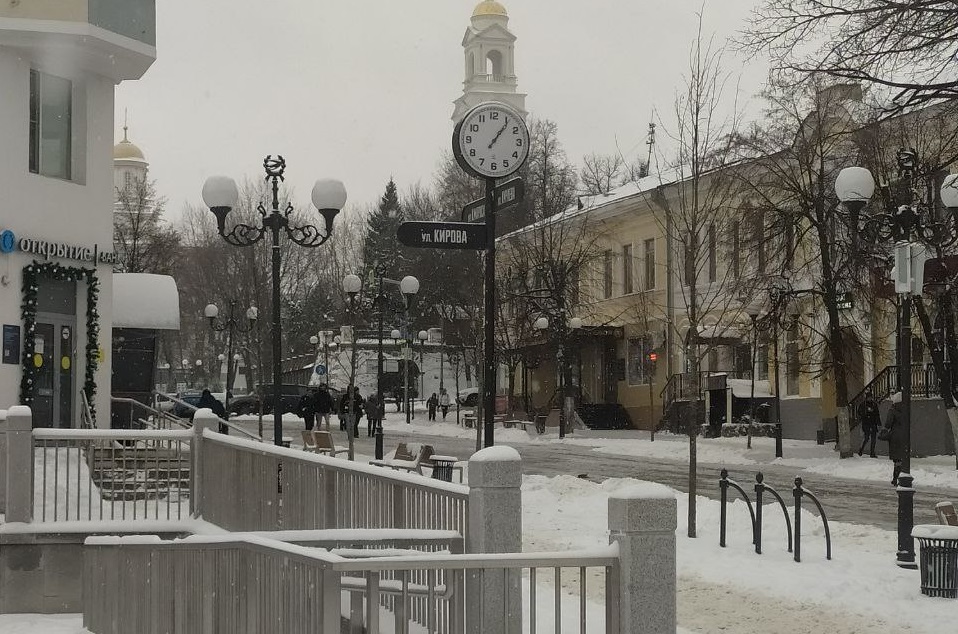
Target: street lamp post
{"x":351,"y":286}
{"x":408,"y":286}
{"x":220,"y":195}
{"x":422,"y":336}
{"x":563,"y":327}
{"x":230,"y":325}
{"x":753,"y":317}
{"x":454,"y":362}
{"x":908,"y":226}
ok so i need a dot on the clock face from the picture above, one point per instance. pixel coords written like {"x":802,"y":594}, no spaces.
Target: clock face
{"x":491,"y":141}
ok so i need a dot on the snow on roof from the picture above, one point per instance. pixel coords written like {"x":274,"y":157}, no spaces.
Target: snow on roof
{"x":645,"y":491}
{"x":498,"y":453}
{"x":145,"y":300}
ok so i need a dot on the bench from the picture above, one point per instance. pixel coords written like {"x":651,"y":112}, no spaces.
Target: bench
{"x":531,"y":427}
{"x":325,"y":444}
{"x":401,"y":453}
{"x":946,"y":514}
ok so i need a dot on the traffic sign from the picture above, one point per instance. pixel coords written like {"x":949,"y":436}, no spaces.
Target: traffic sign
{"x":320,"y":369}
{"x":442,"y":235}
{"x":507,"y":195}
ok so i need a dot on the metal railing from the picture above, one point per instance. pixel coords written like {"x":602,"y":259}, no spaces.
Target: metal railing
{"x":89,"y":474}
{"x":192,"y":408}
{"x":925,"y":383}
{"x":286,"y":489}
{"x":250,"y":583}
{"x":149,"y":417}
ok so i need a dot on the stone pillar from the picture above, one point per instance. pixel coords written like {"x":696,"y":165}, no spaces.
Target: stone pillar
{"x":19,"y":464}
{"x":202,"y":419}
{"x":494,"y":526}
{"x":642,"y":521}
{"x":3,"y":461}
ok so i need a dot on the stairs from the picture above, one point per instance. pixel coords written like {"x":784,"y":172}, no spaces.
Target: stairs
{"x":128,"y":474}
{"x":604,"y":416}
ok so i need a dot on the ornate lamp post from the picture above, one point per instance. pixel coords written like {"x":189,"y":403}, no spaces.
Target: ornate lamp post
{"x":351,"y":286}
{"x":909,"y":226}
{"x":423,"y":336}
{"x":197,"y":372}
{"x":753,"y":317}
{"x":563,"y":330}
{"x":230,"y":325}
{"x":220,"y":195}
{"x":408,"y":286}
{"x":454,"y":362}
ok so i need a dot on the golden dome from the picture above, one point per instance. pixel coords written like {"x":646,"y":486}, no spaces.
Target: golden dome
{"x":489,"y":7}
{"x":126,"y":150}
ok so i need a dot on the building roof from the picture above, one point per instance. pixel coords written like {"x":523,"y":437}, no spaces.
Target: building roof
{"x":489,"y":7}
{"x":126,"y":150}
{"x":145,"y":300}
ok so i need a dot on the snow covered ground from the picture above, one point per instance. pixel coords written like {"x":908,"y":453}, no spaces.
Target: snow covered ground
{"x":731,"y":590}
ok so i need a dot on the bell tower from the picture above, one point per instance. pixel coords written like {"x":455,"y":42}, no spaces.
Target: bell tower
{"x":489,"y":49}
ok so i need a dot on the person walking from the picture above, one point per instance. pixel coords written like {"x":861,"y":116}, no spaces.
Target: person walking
{"x":324,"y":405}
{"x":431,"y":404}
{"x":210,"y":402}
{"x":375,"y":410}
{"x":871,"y":420}
{"x":307,"y":408}
{"x":444,"y":402}
{"x":894,"y":433}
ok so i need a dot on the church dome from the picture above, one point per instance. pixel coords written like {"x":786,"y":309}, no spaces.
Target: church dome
{"x":126,"y":150}
{"x":489,"y":7}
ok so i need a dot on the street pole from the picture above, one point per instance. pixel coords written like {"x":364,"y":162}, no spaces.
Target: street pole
{"x":751,"y":398}
{"x":778,"y":396}
{"x":906,"y":494}
{"x":405,"y":358}
{"x":489,"y":316}
{"x":277,"y":330}
{"x":380,"y":299}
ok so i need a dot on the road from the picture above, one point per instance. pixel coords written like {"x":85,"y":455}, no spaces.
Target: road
{"x":845,"y":500}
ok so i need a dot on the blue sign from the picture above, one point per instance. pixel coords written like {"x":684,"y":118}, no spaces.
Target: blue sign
{"x":8,"y":242}
{"x":320,"y":369}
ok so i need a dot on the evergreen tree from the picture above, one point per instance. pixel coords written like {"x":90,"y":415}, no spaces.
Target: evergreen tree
{"x":380,"y":248}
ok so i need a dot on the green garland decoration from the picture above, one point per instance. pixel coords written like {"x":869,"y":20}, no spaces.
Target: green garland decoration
{"x":28,"y":311}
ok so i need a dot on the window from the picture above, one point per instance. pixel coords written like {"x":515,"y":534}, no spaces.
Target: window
{"x":641,"y":369}
{"x":736,"y":246}
{"x":128,"y":180}
{"x":762,"y":360}
{"x":627,"y":286}
{"x":792,"y":366}
{"x":713,"y":265}
{"x":688,"y":259}
{"x":607,"y":275}
{"x":789,"y":243}
{"x":51,"y":105}
{"x":758,"y":241}
{"x":650,"y":264}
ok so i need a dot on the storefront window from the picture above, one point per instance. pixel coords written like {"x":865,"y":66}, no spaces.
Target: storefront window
{"x":640,"y":369}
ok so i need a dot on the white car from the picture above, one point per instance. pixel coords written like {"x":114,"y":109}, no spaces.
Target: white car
{"x":468,"y":397}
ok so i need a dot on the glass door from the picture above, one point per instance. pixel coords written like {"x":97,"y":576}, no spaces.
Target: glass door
{"x":44,"y":400}
{"x":54,"y":356}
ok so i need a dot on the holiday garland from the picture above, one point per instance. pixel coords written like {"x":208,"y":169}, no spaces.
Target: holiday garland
{"x":28,"y":310}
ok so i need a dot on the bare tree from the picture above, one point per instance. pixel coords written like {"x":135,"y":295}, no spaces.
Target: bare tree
{"x":600,"y":173}
{"x":904,"y":46}
{"x":143,"y":241}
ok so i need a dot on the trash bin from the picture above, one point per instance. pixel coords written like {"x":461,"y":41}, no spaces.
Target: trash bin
{"x":442,"y":467}
{"x":938,"y":559}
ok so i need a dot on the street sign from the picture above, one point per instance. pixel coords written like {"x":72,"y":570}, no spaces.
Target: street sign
{"x":846,"y":301}
{"x":507,"y":195}
{"x":320,"y":369}
{"x":442,"y":235}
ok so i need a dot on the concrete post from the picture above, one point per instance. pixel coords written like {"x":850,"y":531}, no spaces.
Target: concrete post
{"x":642,"y":521}
{"x":202,"y":419}
{"x":494,"y":526}
{"x":19,"y":464}
{"x":3,"y":461}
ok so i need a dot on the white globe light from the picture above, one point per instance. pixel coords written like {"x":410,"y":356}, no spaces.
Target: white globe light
{"x":541,"y":323}
{"x":199,"y":362}
{"x":409,"y":285}
{"x":395,"y":334}
{"x":220,"y":191}
{"x":221,"y":357}
{"x":422,"y":335}
{"x":211,"y":311}
{"x":575,"y":323}
{"x":329,"y":193}
{"x":854,"y":185}
{"x":252,"y":313}
{"x":314,"y":340}
{"x":949,"y":191}
{"x":352,"y":284}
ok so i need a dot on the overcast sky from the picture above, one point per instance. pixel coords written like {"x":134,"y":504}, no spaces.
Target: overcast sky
{"x":363,"y":89}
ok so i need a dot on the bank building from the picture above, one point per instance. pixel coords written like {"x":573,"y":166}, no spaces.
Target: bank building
{"x":59,"y":64}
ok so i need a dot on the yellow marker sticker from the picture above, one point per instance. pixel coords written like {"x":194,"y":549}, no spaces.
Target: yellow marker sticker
{"x":100,"y":355}
{"x":65,"y":363}
{"x":38,"y":360}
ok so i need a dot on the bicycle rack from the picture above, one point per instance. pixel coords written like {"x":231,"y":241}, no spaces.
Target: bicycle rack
{"x":799,"y":491}
{"x":724,"y":484}
{"x":760,"y":488}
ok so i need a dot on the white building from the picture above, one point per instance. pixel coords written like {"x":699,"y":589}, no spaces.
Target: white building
{"x":490,"y":71}
{"x":59,"y":63}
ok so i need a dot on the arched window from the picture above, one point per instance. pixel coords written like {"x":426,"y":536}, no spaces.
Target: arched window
{"x":494,"y":63}
{"x":470,"y":65}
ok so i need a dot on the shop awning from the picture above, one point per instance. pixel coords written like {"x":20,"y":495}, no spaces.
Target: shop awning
{"x":144,"y":300}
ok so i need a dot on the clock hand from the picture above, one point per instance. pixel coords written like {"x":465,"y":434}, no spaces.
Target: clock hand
{"x":499,"y":133}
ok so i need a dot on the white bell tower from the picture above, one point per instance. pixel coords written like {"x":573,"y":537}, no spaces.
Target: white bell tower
{"x":489,"y":49}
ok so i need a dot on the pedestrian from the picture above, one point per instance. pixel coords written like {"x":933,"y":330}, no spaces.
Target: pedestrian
{"x":343,"y":409}
{"x":307,"y":408}
{"x":431,"y":404}
{"x":444,"y":402}
{"x":375,"y":410}
{"x":398,"y":397}
{"x":210,"y":402}
{"x":356,"y":408}
{"x":894,"y":433}
{"x":871,"y":420}
{"x":324,"y":405}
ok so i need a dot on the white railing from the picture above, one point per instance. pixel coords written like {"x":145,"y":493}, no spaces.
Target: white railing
{"x":247,"y":583}
{"x":104,"y":474}
{"x":247,"y":485}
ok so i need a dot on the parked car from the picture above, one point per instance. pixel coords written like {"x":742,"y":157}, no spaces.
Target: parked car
{"x":192,"y":397}
{"x":468,"y":397}
{"x":250,"y":403}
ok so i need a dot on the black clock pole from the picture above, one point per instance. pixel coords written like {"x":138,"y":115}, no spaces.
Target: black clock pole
{"x":489,"y":330}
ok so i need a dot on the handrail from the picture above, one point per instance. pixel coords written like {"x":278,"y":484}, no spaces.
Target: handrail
{"x":152,"y":412}
{"x":86,"y":416}
{"x":221,"y":421}
{"x":924,"y":380}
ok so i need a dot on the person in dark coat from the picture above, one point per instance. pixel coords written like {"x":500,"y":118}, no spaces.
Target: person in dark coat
{"x":307,"y":408}
{"x":896,"y":436}
{"x":324,"y":405}
{"x":351,"y":405}
{"x":871,"y":421}
{"x":375,"y":410}
{"x":210,"y":402}
{"x":431,"y":404}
